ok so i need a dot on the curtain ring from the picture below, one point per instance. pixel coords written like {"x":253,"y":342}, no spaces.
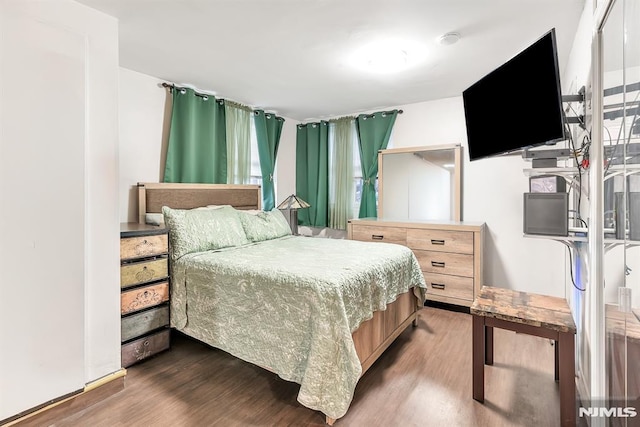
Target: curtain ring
{"x":183,"y":91}
{"x":205,"y":98}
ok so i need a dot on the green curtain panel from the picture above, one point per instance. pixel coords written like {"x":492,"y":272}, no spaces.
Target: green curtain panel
{"x":197,"y":151}
{"x":374,"y":131}
{"x":312,"y":173}
{"x":238,"y":127}
{"x":268,"y":130}
{"x":341,"y":147}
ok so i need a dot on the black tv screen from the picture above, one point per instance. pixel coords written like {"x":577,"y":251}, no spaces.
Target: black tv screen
{"x":518,"y":105}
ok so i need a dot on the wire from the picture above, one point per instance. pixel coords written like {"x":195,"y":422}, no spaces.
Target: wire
{"x":573,"y":281}
{"x":579,"y":219}
{"x":575,"y":158}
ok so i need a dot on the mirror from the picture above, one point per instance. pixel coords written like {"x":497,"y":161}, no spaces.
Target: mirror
{"x":420,"y":183}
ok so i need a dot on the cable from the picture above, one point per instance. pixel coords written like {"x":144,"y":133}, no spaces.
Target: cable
{"x":573,"y":281}
{"x":578,"y":218}
{"x":575,"y":158}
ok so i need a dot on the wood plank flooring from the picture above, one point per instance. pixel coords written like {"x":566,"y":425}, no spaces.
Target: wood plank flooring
{"x":423,"y":379}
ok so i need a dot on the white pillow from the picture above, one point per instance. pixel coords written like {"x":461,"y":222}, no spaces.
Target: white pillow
{"x":154,"y":219}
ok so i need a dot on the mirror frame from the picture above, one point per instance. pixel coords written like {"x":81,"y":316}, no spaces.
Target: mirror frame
{"x":457,"y":190}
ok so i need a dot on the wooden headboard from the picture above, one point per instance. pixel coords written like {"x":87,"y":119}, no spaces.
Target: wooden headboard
{"x":153,"y":196}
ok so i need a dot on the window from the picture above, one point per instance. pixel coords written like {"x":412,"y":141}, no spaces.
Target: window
{"x":357,"y":175}
{"x":255,"y":174}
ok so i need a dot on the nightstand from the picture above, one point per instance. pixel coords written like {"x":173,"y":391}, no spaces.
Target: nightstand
{"x":144,"y":291}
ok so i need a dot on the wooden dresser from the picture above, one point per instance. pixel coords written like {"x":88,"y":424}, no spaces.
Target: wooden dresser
{"x":144,"y":291}
{"x":449,"y":253}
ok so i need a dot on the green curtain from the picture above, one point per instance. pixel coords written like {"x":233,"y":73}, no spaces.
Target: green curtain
{"x":341,"y":185}
{"x":268,"y":130}
{"x":197,"y":151}
{"x":374,"y":131}
{"x":312,"y":172}
{"x":238,"y":128}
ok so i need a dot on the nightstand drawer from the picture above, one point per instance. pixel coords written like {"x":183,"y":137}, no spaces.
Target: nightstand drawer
{"x":143,"y":246}
{"x":141,"y":298}
{"x":141,"y":323}
{"x":366,"y":233}
{"x":449,"y":286}
{"x":145,"y":347}
{"x":143,"y":272}
{"x":445,"y":263}
{"x":440,"y":240}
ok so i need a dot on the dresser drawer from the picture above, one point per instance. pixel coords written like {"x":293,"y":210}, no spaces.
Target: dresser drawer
{"x":445,"y":263}
{"x":144,"y":246}
{"x":440,"y":240}
{"x":141,"y":323}
{"x":143,"y":272}
{"x":147,"y":296}
{"x":449,"y":286}
{"x":367,"y":233}
{"x":145,"y":347}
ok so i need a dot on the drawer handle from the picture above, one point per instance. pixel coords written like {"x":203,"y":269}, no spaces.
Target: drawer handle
{"x":437,"y":242}
{"x":145,"y":274}
{"x":143,"y":246}
{"x":437,"y":285}
{"x":377,"y":237}
{"x":438,"y":264}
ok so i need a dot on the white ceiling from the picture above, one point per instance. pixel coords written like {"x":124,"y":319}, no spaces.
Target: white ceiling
{"x":293,"y":56}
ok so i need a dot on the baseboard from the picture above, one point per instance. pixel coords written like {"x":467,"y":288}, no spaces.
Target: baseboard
{"x":94,"y":392}
{"x":447,"y":306}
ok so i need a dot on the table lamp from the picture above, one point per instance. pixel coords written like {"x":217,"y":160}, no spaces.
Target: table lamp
{"x":291,"y":204}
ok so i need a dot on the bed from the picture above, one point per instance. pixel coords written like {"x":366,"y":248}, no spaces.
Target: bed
{"x":315,"y":311}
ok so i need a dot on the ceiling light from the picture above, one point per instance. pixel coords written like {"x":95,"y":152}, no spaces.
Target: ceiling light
{"x":449,"y":38}
{"x":388,"y":56}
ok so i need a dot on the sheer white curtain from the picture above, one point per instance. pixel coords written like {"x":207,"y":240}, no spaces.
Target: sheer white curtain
{"x":342,"y":145}
{"x":238,"y":122}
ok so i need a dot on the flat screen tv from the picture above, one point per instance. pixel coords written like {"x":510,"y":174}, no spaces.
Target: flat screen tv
{"x":518,"y":105}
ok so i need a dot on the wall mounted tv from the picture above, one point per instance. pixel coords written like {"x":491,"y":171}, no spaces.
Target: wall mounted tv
{"x":518,"y":105}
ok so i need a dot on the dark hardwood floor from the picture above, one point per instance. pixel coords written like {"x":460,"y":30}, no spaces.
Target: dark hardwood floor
{"x":423,"y":379}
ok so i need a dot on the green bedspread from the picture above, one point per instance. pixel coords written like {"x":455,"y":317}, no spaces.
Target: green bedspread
{"x":291,"y":304}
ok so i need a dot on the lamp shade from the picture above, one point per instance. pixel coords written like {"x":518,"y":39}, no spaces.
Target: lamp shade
{"x":293,"y":202}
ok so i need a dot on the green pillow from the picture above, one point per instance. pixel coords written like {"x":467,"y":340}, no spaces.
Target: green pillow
{"x":264,"y":225}
{"x":197,"y":230}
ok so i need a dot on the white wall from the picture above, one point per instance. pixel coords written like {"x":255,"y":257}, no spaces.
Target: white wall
{"x":143,"y":136}
{"x":59,"y":303}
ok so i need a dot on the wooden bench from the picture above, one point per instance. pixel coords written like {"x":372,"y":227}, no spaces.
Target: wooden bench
{"x":539,"y":315}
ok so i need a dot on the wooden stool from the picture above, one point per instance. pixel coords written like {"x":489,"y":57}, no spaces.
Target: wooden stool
{"x":539,"y":315}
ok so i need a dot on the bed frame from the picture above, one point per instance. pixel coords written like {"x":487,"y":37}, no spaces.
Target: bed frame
{"x":371,"y":339}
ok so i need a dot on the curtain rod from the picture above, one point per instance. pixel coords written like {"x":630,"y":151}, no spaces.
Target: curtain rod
{"x":335,"y":119}
{"x":171,"y":86}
